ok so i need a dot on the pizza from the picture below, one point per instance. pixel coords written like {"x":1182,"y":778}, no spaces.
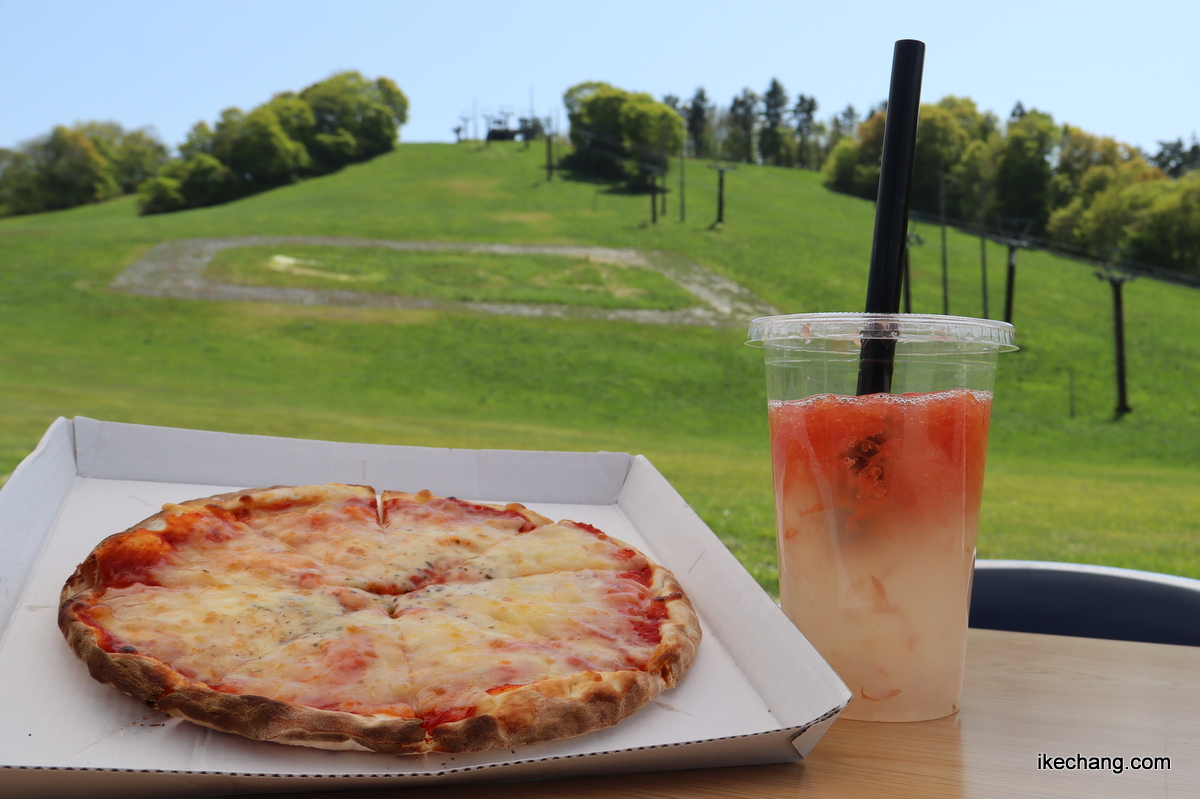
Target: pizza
{"x":328,"y":616}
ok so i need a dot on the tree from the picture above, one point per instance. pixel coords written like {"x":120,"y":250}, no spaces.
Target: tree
{"x":698,"y":116}
{"x":1170,"y":231}
{"x":804,"y":118}
{"x":773,"y":137}
{"x":841,"y":167}
{"x":978,"y":126}
{"x":354,"y":119}
{"x":90,"y":162}
{"x":199,"y":140}
{"x":132,"y":155}
{"x":1174,"y":158}
{"x":197,"y":182}
{"x":262,"y":154}
{"x":295,"y":116}
{"x":853,"y":163}
{"x":619,"y":134}
{"x":226,"y":133}
{"x":395,"y":100}
{"x":1023,"y":168}
{"x":594,"y":113}
{"x":61,"y":170}
{"x":971,"y":180}
{"x":161,"y":194}
{"x":340,"y":120}
{"x":743,"y":119}
{"x":651,"y":132}
{"x":941,"y":141}
{"x":1079,"y":151}
{"x":139,"y":156}
{"x":1108,"y":206}
{"x":18,"y":183}
{"x":842,"y":125}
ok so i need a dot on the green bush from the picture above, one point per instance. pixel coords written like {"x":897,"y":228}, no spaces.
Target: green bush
{"x":619,"y":134}
{"x":338,"y":121}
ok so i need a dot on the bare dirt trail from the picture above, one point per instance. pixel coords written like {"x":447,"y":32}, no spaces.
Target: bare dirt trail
{"x":176,"y":269}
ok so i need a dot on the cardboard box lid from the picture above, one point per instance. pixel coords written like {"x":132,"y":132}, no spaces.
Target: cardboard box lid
{"x":757,"y":692}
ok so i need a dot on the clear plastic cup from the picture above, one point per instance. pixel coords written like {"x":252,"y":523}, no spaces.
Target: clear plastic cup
{"x":877,"y":497}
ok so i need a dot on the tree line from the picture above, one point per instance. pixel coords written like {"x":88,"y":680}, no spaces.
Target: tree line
{"x":1087,"y":192}
{"x":338,"y":121}
{"x":87,"y":163}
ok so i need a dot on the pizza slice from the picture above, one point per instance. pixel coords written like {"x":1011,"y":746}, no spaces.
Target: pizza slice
{"x":429,"y":535}
{"x":562,"y":546}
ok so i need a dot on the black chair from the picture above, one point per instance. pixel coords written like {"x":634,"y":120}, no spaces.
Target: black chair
{"x":1087,"y":601}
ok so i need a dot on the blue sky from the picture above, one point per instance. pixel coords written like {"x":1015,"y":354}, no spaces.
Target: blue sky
{"x":1129,"y":70}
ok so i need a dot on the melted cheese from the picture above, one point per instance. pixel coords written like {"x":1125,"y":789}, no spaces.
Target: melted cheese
{"x":353,"y":662}
{"x":454,"y":662}
{"x":526,"y":629}
{"x":550,"y":548}
{"x":427,"y":539}
{"x":339,"y":528}
{"x":203,"y":633}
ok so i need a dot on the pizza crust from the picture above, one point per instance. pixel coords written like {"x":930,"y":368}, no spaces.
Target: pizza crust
{"x":545,"y":710}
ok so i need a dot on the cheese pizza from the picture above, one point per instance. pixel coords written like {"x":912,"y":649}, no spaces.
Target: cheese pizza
{"x":331,"y":617}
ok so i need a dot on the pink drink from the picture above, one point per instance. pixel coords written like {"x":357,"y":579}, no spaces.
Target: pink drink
{"x":877,"y":502}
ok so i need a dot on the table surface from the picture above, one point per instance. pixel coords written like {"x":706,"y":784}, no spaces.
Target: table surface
{"x":1027,"y":700}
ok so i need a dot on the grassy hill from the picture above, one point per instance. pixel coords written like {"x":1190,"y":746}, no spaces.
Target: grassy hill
{"x":1083,"y":488}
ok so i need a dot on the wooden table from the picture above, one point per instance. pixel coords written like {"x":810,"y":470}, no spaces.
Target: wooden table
{"x":1026,"y":696}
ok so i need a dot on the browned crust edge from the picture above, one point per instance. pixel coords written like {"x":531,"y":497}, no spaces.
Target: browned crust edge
{"x":141,"y":677}
{"x":680,"y":632}
{"x":581,"y":703}
{"x":548,"y":710}
{"x":86,"y":574}
{"x":533,"y":517}
{"x":162,"y":688}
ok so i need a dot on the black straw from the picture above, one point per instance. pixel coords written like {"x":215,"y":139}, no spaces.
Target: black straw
{"x":878,"y":355}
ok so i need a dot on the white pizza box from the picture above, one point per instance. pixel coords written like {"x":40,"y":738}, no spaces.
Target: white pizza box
{"x":757,"y":692}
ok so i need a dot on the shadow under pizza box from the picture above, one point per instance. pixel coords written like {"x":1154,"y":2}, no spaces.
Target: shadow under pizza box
{"x":757,"y":692}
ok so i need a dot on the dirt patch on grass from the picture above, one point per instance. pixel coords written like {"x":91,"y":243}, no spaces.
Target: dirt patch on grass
{"x":176,"y":269}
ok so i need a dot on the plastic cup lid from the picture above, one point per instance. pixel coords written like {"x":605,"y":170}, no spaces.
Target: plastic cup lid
{"x":899,"y":327}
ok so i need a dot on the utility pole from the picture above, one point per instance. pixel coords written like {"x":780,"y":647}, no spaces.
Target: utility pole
{"x":907,"y":282}
{"x":490,"y":121}
{"x":1117,"y":279}
{"x":945,"y":267}
{"x":721,"y":170}
{"x":653,"y":201}
{"x":1015,"y":234}
{"x":912,"y":240}
{"x":682,"y":206}
{"x":549,"y":152}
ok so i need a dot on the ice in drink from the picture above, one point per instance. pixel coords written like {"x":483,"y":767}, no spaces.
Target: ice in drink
{"x":877,"y":504}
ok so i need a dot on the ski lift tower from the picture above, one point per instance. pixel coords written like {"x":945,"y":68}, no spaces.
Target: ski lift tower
{"x":1014,"y":233}
{"x":1115,"y":271}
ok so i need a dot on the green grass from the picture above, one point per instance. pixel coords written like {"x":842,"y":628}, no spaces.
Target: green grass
{"x":459,"y":276}
{"x":1084,"y":488}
